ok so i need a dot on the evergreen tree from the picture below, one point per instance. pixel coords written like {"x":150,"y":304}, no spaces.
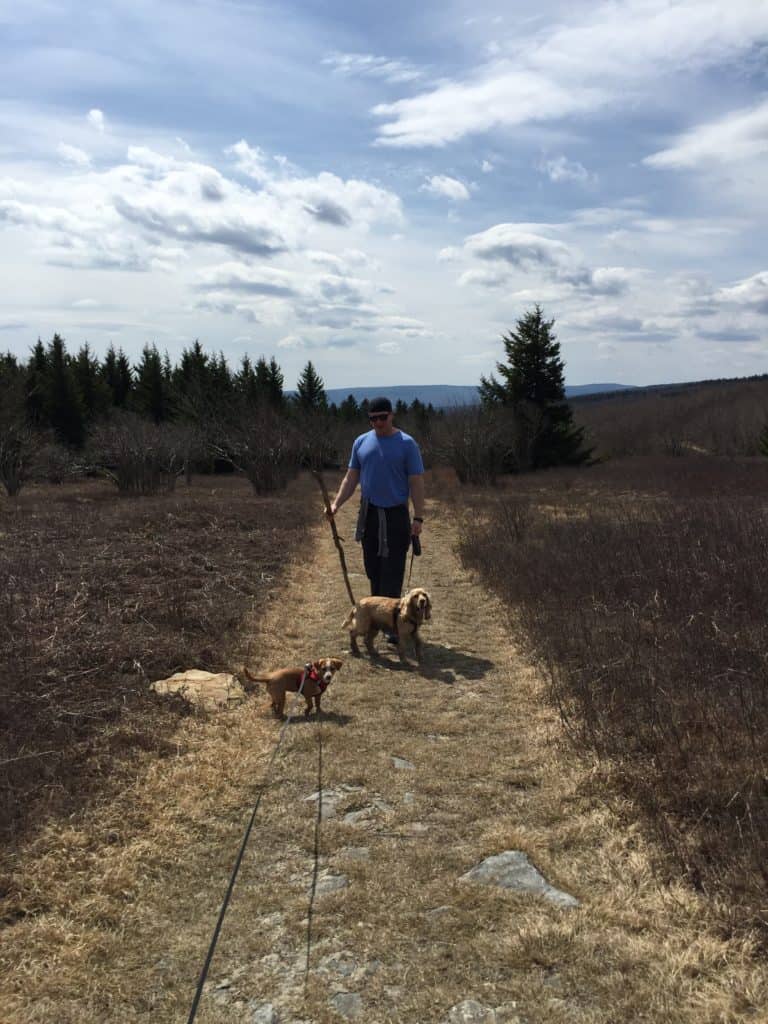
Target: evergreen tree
{"x":349,"y":410}
{"x":275,"y":384}
{"x":245,"y":382}
{"x":762,"y":441}
{"x":64,"y":408}
{"x":401,"y":408}
{"x":118,"y":377}
{"x":310,"y":389}
{"x":36,"y":385}
{"x":532,"y":385}
{"x":94,"y":392}
{"x":153,"y":394}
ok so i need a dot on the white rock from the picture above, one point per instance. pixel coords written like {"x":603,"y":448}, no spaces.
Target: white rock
{"x":348,"y":1004}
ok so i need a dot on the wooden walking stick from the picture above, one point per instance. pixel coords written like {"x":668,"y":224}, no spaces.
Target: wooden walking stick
{"x":336,"y":539}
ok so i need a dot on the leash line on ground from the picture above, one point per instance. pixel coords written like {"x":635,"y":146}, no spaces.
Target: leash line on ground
{"x":316,"y":850}
{"x":238,"y":861}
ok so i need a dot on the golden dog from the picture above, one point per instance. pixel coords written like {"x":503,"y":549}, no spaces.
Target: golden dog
{"x":399,"y":615}
{"x":283,"y":680}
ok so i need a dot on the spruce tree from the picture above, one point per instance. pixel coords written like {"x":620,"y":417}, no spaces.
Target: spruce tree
{"x":532,"y":385}
{"x":64,"y":408}
{"x":93,"y":389}
{"x":310,"y":389}
{"x":349,"y":410}
{"x":275,"y":383}
{"x":153,"y":394}
{"x":117,"y":375}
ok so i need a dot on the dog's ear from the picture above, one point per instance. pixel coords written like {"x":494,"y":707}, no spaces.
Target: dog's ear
{"x":336,"y":663}
{"x":428,"y":609}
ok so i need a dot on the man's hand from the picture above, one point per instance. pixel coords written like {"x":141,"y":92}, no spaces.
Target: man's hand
{"x":416,"y":528}
{"x":331,"y":510}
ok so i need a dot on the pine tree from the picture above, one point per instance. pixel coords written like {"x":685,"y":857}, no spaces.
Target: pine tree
{"x":153,"y":394}
{"x":311,"y":390}
{"x":93,"y":389}
{"x":275,"y":384}
{"x":245,"y":383}
{"x":36,"y":385}
{"x":762,"y":442}
{"x":117,"y":375}
{"x":532,"y":385}
{"x":349,"y":410}
{"x":64,"y":408}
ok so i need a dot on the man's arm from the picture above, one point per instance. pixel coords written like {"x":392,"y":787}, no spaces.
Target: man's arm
{"x":416,"y":486}
{"x":346,"y":490}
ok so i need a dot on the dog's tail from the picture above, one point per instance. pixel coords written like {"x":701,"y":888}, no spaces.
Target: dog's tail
{"x":252,"y":677}
{"x":349,"y":619}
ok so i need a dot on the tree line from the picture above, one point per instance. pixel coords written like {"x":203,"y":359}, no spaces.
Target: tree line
{"x":145,"y":424}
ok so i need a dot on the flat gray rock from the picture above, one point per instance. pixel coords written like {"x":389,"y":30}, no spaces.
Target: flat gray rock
{"x":331,"y":883}
{"x":469,"y":1011}
{"x":355,"y":852}
{"x":348,"y":1004}
{"x":263,"y":1013}
{"x":513,"y":870}
{"x":402,"y":764}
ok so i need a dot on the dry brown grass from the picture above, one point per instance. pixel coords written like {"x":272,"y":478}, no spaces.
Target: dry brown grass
{"x":131,"y":889}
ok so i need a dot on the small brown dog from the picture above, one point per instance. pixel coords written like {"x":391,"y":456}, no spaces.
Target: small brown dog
{"x":399,"y":615}
{"x":283,"y":680}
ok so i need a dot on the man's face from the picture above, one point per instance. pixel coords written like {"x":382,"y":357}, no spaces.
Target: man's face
{"x":380,"y":421}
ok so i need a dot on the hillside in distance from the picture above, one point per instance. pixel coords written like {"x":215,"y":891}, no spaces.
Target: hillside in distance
{"x":446,"y":396}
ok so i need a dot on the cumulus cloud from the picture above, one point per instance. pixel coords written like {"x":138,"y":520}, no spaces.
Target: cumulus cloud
{"x":603,"y":55}
{"x":73,"y":155}
{"x":739,"y":136}
{"x":514,"y":247}
{"x":367,"y":65}
{"x":95,"y":118}
{"x":751,"y":293}
{"x":560,"y":168}
{"x":250,"y":160}
{"x":442,"y":185}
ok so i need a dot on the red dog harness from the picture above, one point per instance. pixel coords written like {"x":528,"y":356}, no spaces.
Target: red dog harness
{"x":315,"y":678}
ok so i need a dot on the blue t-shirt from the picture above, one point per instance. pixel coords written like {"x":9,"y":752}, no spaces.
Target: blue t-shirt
{"x":385,"y":463}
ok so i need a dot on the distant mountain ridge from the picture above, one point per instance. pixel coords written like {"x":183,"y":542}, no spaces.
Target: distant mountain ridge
{"x":446,"y":396}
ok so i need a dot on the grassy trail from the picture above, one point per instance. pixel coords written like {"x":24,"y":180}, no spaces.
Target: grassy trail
{"x":130,"y":898}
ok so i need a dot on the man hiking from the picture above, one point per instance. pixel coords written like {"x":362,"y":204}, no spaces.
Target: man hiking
{"x":387,"y":464}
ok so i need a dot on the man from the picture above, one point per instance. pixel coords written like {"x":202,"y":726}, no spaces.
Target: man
{"x":387,"y":464}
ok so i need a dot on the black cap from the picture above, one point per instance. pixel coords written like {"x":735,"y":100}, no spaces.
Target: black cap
{"x":380,"y":404}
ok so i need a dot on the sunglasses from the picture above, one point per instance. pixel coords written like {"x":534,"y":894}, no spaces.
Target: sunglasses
{"x":377,"y":416}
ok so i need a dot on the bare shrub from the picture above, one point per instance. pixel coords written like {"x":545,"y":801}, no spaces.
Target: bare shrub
{"x":18,"y":444}
{"x":475,"y":442}
{"x":260,"y":443}
{"x":138,"y":456}
{"x":649,"y":614}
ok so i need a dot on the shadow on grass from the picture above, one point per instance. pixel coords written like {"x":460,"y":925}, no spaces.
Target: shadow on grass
{"x":325,"y":717}
{"x":443,"y":664}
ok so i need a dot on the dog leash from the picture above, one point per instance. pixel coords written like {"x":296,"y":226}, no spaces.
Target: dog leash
{"x":238,"y":861}
{"x":415,"y":550}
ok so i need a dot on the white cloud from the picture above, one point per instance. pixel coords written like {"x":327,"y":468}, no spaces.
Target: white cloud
{"x":250,"y":161}
{"x":73,"y":155}
{"x":741,"y":135}
{"x":366,"y":65}
{"x":442,"y":185}
{"x":486,"y":167}
{"x":751,"y":292}
{"x":560,"y":168}
{"x":388,"y":348}
{"x":95,"y":118}
{"x":610,"y":54}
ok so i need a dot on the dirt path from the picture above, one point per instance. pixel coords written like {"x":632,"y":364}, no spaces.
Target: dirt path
{"x":394,"y":935}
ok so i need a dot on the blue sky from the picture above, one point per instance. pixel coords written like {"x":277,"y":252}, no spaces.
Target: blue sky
{"x":386,"y":189}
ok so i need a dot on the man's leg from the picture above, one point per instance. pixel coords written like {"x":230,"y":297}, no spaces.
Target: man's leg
{"x":371,"y":558}
{"x":392,"y":568}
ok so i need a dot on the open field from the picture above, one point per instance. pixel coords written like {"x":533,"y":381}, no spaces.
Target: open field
{"x":640,"y":589}
{"x":121,"y":892}
{"x":101,"y":593}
